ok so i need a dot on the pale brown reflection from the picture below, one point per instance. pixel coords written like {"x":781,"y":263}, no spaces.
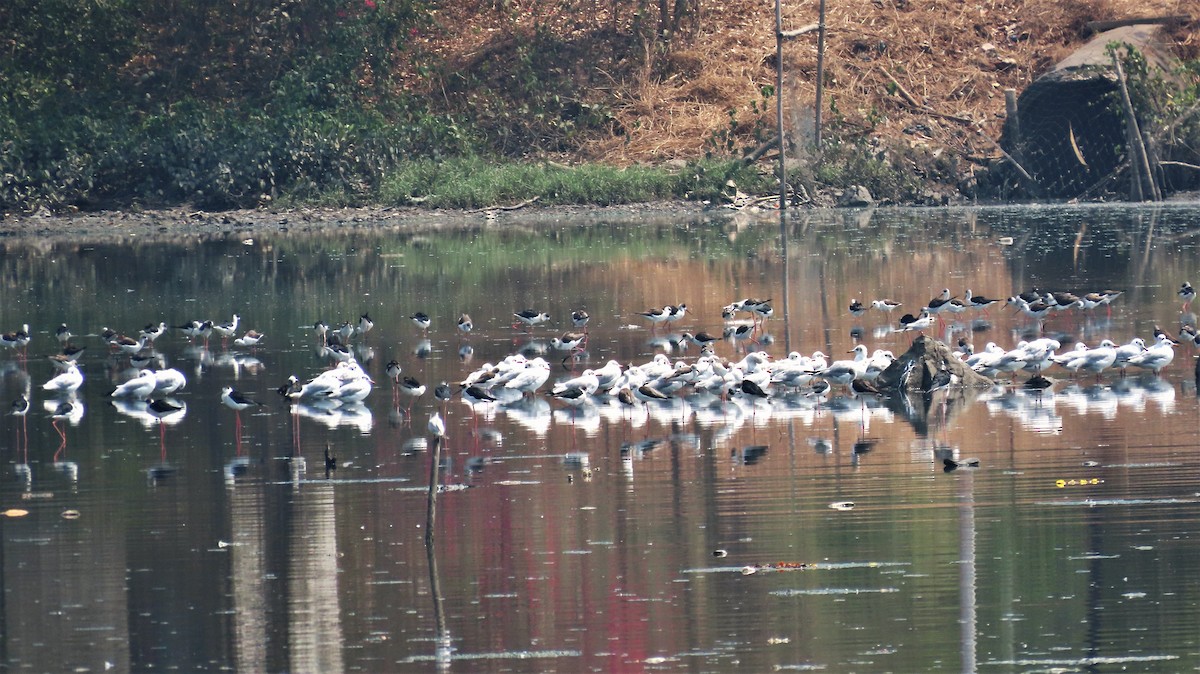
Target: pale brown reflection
{"x":314,"y":615}
{"x":968,"y":609}
{"x":247,"y":505}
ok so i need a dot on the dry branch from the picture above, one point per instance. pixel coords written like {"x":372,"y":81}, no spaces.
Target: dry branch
{"x":513,"y":207}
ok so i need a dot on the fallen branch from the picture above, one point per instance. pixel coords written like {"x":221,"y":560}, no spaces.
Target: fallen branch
{"x":514,"y":207}
{"x":1178,"y":163}
{"x":803,"y":30}
{"x":903,"y":92}
{"x":766,"y":147}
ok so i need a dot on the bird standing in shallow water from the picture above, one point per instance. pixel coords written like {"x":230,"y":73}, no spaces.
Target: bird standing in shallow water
{"x":421,"y":320}
{"x":436,"y":427}
{"x":530,"y":318}
{"x":656,"y":316}
{"x":393,"y":371}
{"x":580,"y":318}
{"x":64,"y":411}
{"x":886,"y":305}
{"x":412,"y":388}
{"x":237,"y":401}
{"x":68,"y":382}
{"x":16,"y":340}
{"x":465,"y":324}
{"x":1186,"y":293}
{"x":161,"y":409}
{"x":251,"y":338}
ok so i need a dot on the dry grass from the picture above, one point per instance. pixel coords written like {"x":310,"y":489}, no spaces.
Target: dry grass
{"x":955,"y":57}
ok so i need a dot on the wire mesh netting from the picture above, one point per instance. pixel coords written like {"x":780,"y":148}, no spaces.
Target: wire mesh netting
{"x":1070,"y":136}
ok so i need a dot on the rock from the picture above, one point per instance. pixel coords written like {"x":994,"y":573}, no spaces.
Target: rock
{"x":855,"y":196}
{"x":929,"y":358}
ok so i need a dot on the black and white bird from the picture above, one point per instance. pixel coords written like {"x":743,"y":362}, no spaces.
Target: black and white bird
{"x":465,"y":324}
{"x":421,"y":320}
{"x":530,"y":318}
{"x":236,"y":400}
{"x":580,"y":318}
{"x":1186,"y":293}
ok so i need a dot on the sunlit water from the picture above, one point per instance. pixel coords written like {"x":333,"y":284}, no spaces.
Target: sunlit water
{"x":588,"y":540}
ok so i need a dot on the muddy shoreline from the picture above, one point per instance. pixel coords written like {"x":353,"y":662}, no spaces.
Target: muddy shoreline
{"x":174,"y":223}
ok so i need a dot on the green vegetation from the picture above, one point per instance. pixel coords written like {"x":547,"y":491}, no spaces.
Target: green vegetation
{"x":233,"y":104}
{"x":895,"y":172}
{"x":471,"y":182}
{"x":219,"y":104}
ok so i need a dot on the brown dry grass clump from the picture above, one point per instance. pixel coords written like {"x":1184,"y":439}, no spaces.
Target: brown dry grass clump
{"x":954,"y":57}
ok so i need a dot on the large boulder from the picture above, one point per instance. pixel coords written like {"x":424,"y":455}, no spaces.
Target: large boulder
{"x":855,"y":196}
{"x":928,"y":358}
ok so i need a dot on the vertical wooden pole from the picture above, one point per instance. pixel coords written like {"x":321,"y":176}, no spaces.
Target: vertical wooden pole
{"x":820,"y":76}
{"x":431,"y":498}
{"x":1012,"y":122}
{"x":1138,"y":158}
{"x":779,"y":104}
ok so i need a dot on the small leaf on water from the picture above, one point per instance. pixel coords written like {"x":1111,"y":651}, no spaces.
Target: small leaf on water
{"x":14,"y":512}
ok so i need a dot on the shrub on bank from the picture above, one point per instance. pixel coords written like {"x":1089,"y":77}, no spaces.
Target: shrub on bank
{"x":473,"y":182}
{"x":211,"y":157}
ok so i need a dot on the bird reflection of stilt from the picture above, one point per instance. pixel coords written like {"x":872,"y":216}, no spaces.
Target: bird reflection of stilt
{"x":165,"y":411}
{"x":237,"y":401}
{"x":330,"y":461}
{"x":66,"y":410}
{"x":966,"y":572}
{"x":20,"y":408}
{"x":442,"y":648}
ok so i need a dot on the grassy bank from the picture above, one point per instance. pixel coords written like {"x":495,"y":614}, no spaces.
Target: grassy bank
{"x":472,"y":182}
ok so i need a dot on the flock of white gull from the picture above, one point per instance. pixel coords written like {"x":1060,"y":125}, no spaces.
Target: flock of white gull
{"x":754,"y":376}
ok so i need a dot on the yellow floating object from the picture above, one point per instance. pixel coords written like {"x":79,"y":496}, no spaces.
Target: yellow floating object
{"x":1082,"y":482}
{"x":14,"y":512}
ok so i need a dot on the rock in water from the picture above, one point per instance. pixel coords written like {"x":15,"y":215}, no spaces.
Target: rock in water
{"x":923,"y":362}
{"x":855,"y":196}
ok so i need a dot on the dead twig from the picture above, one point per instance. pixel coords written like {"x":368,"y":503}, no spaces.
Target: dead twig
{"x":513,"y":207}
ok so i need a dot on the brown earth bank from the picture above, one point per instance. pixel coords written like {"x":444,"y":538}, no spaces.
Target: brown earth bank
{"x":929,"y":74}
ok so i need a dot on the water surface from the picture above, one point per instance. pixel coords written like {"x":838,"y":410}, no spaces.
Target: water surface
{"x":1072,"y":547}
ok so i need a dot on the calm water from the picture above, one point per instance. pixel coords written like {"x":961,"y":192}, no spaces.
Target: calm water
{"x":194,"y":546}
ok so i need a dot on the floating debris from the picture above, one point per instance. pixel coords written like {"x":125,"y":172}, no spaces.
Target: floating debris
{"x":720,"y":553}
{"x":1085,"y":482}
{"x":778,"y":640}
{"x":751,"y":569}
{"x":14,"y":512}
{"x":842,"y":505}
{"x":836,"y":591}
{"x":952,"y":464}
{"x":70,"y":514}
